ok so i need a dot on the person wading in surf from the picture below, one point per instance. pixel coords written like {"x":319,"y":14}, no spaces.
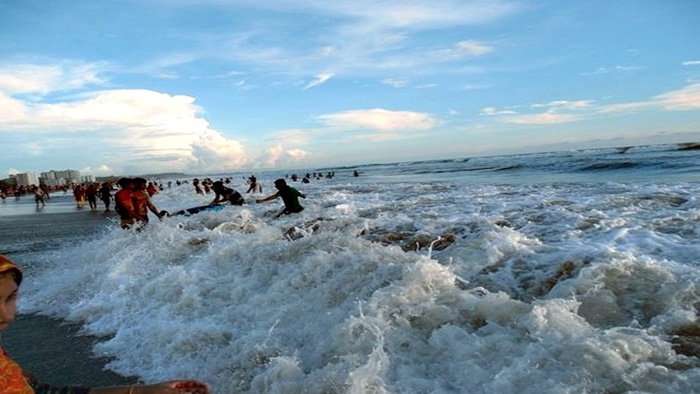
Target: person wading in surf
{"x":290,"y":197}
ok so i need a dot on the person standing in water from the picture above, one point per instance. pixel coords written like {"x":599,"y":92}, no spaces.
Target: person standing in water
{"x":91,"y":193}
{"x":142,"y":203}
{"x":13,"y":379}
{"x":106,"y":195}
{"x":124,"y":204}
{"x":290,"y":197}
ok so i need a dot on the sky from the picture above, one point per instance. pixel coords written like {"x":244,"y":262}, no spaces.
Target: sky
{"x":120,"y":87}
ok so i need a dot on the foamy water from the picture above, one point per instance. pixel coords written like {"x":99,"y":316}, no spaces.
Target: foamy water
{"x":515,"y":287}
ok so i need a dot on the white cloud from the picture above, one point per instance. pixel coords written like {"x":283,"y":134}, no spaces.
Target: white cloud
{"x":692,"y":63}
{"x":278,"y":156}
{"x":42,"y":79}
{"x":359,"y":38}
{"x":319,"y":80}
{"x":297,"y":153}
{"x":380,"y":120}
{"x":559,"y":105}
{"x":137,"y":128}
{"x":610,"y":70}
{"x":565,"y":111}
{"x":469,"y":48}
{"x":542,"y":119}
{"x":101,"y":170}
{"x":213,"y":152}
{"x":13,"y":171}
{"x":491,"y":111}
{"x":11,"y":110}
{"x":687,"y":98}
{"x":684,"y":99}
{"x":394,"y":82}
{"x":294,"y":137}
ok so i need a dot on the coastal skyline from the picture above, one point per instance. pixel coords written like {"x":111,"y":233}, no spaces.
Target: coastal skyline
{"x":119,"y":87}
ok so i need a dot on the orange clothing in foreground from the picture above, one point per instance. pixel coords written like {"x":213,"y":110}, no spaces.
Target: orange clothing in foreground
{"x":12,"y":379}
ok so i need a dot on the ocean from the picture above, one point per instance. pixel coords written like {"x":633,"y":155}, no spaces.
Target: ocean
{"x":561,"y":272}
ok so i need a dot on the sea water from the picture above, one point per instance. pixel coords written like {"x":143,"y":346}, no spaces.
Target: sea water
{"x":565,"y":272}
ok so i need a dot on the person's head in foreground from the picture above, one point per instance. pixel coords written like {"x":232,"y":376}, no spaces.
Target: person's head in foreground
{"x":280,"y":184}
{"x":14,"y":380}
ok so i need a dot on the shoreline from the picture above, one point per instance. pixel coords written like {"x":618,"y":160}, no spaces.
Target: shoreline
{"x":67,"y":359}
{"x":55,"y":351}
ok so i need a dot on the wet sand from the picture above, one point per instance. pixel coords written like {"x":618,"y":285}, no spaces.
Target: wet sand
{"x":52,"y":350}
{"x":55,"y":353}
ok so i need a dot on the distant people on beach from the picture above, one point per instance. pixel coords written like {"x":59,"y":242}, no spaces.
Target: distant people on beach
{"x":79,"y":195}
{"x":106,"y":195}
{"x":39,"y":196}
{"x":290,"y":197}
{"x":91,"y":193}
{"x":15,"y":380}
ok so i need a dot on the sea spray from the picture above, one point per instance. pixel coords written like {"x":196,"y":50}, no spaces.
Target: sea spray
{"x":547,"y":287}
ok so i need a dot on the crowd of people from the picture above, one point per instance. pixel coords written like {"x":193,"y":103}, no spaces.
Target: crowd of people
{"x":132,"y":201}
{"x":132,"y":196}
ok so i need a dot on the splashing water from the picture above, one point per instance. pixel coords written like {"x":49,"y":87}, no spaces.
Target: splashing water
{"x":413,"y":286}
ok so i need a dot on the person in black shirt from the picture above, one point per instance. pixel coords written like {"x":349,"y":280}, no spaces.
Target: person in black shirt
{"x":224,"y":193}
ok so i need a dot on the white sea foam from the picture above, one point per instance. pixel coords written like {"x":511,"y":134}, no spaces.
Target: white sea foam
{"x":548,"y":288}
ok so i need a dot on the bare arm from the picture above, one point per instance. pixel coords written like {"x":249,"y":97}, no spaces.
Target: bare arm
{"x":217,"y":199}
{"x":268,"y":198}
{"x":152,"y":208}
{"x":172,"y":387}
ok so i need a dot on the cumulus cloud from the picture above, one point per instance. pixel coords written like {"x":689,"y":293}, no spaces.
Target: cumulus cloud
{"x":278,"y":156}
{"x":379,"y":119}
{"x":214,"y":152}
{"x":297,"y":153}
{"x":139,"y":130}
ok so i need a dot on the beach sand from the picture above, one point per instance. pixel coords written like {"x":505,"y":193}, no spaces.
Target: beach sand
{"x":54,"y":351}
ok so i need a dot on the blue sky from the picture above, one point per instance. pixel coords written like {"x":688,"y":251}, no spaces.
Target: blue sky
{"x":198,"y":86}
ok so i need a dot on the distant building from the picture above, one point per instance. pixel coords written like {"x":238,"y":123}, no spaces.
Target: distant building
{"x":87,"y":179}
{"x":60,"y":178}
{"x":26,"y":179}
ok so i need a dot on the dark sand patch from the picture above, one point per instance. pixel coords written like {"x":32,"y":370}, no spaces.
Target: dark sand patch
{"x":56,"y":353}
